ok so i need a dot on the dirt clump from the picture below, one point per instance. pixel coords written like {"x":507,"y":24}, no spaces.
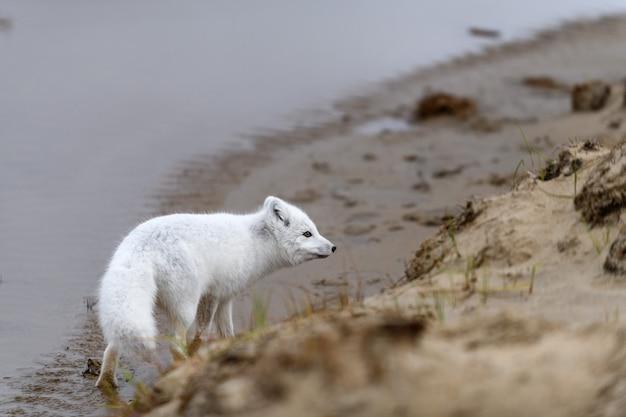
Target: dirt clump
{"x":440,"y":104}
{"x":566,"y":164}
{"x":615,"y":262}
{"x":590,"y":96}
{"x":603,"y":195}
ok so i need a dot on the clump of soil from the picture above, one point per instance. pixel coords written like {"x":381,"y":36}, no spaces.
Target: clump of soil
{"x":590,"y":96}
{"x":544,"y":82}
{"x":604,"y":193}
{"x":615,"y":262}
{"x":566,"y":164}
{"x":442,"y":104}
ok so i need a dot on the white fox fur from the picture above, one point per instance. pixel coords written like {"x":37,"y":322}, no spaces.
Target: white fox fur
{"x":179,"y":260}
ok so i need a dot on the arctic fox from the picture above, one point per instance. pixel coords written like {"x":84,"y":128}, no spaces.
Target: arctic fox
{"x":192,"y":265}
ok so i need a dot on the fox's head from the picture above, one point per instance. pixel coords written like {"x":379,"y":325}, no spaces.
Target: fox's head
{"x":295,"y":233}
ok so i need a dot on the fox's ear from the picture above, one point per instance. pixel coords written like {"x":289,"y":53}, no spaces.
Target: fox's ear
{"x":276,"y":207}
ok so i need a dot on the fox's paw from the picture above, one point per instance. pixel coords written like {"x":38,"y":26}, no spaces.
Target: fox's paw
{"x":106,"y":383}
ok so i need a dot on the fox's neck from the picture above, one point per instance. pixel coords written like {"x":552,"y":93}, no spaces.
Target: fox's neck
{"x":267,"y":255}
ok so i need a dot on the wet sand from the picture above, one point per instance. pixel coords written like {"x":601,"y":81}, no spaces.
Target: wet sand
{"x":371,"y":180}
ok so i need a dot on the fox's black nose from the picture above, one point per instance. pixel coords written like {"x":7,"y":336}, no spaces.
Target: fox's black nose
{"x":334,"y":248}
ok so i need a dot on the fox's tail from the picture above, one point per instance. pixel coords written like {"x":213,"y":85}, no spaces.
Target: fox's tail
{"x":126,"y":313}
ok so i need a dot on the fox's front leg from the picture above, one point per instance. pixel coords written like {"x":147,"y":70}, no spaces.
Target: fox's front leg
{"x":205,"y":315}
{"x":224,"y":319}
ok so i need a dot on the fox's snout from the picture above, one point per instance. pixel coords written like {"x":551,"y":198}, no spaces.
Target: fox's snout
{"x":326,"y":248}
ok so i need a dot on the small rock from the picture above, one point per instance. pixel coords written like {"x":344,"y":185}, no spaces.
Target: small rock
{"x":369,"y":157}
{"x":590,"y":96}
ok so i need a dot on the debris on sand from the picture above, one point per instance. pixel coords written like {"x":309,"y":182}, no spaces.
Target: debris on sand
{"x":604,"y":193}
{"x":615,"y":262}
{"x":590,"y":96}
{"x":92,"y":368}
{"x":546,"y":83}
{"x":442,"y":104}
{"x":484,"y":32}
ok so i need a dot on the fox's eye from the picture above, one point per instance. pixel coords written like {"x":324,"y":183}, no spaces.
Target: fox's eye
{"x":307,"y":234}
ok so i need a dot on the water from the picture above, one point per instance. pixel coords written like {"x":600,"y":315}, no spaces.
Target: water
{"x":101,"y":101}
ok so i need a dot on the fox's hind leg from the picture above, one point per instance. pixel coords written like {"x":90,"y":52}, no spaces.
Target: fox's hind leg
{"x":107,"y":378}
